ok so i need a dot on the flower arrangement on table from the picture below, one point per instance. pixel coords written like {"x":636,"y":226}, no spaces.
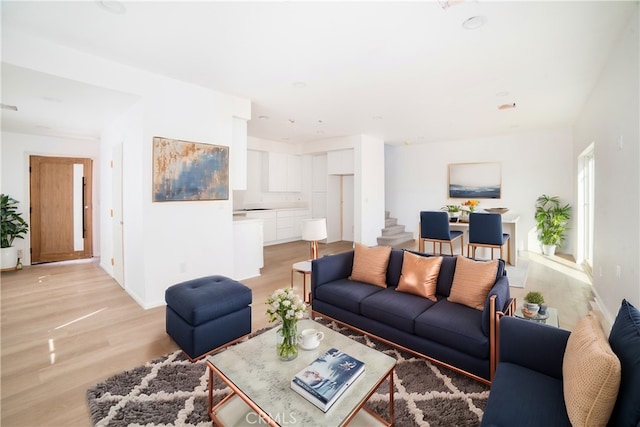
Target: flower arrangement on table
{"x":471,"y":205}
{"x":286,"y":306}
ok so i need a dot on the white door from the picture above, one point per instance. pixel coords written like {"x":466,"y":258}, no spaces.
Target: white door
{"x":116,"y":216}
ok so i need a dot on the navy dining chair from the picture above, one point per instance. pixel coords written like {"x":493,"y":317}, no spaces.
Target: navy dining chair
{"x":485,"y":230}
{"x":434,"y":227}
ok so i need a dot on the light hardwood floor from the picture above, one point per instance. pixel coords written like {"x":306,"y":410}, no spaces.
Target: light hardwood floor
{"x":68,"y":326}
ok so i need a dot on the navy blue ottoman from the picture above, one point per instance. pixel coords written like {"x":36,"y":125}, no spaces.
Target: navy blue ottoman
{"x":207,"y":313}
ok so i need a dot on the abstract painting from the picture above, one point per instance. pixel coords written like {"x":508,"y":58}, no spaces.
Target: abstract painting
{"x":185,"y":170}
{"x":475,"y":180}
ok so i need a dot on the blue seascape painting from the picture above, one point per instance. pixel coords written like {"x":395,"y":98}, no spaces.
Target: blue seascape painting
{"x":475,"y":180}
{"x":189,"y":171}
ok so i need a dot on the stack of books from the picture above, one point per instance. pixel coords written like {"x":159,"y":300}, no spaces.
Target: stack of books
{"x":327,"y":378}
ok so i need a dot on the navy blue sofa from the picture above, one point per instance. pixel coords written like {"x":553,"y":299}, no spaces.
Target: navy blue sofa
{"x":451,"y":334}
{"x":527,"y":389}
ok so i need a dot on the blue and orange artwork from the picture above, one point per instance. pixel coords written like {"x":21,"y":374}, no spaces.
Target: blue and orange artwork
{"x":185,"y":170}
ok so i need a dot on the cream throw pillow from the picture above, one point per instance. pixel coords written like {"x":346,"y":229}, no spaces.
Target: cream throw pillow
{"x":590,"y":374}
{"x":419,"y":275}
{"x":370,"y":264}
{"x":472,"y":282}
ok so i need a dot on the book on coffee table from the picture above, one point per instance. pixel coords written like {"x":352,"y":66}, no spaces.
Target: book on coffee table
{"x":326,"y":378}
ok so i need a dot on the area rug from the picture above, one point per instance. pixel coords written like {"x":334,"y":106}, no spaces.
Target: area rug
{"x":518,"y":274}
{"x":171,"y":391}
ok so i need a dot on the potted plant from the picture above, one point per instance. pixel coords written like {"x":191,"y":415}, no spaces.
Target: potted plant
{"x":453,"y":210}
{"x":551,"y":222}
{"x":532,"y":302}
{"x":13,"y":227}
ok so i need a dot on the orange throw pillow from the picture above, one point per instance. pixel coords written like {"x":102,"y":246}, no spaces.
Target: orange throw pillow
{"x":472,"y":282}
{"x":591,"y":374}
{"x":419,"y":275}
{"x":370,"y":264}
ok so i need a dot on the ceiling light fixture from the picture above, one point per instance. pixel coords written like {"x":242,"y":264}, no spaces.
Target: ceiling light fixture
{"x":263,"y":117}
{"x":112,"y":6}
{"x":291,"y":121}
{"x":446,"y":4}
{"x":507,"y":106}
{"x":9,"y":107}
{"x":474,"y":22}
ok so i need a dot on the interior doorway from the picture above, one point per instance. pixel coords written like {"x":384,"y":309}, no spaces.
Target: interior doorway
{"x":61,"y":209}
{"x":586,"y":191}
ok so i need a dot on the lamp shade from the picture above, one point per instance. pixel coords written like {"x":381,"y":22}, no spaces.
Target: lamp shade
{"x":314,"y":229}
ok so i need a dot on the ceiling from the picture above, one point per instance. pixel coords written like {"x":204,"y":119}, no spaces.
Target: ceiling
{"x":404,"y":72}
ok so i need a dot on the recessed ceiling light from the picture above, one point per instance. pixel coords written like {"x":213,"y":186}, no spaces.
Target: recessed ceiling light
{"x":299,"y":85}
{"x":9,"y":107}
{"x":291,"y":121}
{"x":474,"y":22}
{"x":507,"y":106}
{"x":112,"y":6}
{"x":319,"y":121}
{"x":263,"y":117}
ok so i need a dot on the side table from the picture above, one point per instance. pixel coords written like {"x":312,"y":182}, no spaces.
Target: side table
{"x":303,"y":267}
{"x":551,"y":319}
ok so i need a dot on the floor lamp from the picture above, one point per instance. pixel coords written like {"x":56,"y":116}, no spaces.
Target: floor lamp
{"x":313,"y":230}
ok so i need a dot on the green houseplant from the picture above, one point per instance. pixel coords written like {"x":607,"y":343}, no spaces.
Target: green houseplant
{"x":551,"y":222}
{"x":532,"y":303}
{"x":13,"y":227}
{"x":453,"y":210}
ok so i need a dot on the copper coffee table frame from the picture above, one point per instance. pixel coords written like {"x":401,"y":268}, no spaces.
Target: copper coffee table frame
{"x":286,"y":402}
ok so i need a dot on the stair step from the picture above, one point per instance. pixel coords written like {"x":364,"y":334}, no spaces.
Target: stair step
{"x":395,"y":240}
{"x":390,"y":222}
{"x":394,"y":229}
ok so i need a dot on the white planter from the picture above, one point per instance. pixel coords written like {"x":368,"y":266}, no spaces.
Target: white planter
{"x":9,"y":257}
{"x":549,"y":250}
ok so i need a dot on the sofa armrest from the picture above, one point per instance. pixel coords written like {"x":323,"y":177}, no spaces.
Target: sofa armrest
{"x":532,"y":345}
{"x":502,"y":295}
{"x":330,"y":268}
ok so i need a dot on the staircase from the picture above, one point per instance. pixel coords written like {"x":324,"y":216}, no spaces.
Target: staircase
{"x":393,"y":234}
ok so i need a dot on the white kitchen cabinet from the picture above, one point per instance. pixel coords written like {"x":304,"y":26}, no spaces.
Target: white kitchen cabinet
{"x":340,"y":162}
{"x":297,"y":221}
{"x":281,"y":172}
{"x":319,"y":173}
{"x":248,"y":252}
{"x":269,"y":224}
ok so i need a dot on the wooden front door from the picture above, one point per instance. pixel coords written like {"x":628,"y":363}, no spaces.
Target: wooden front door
{"x":61,"y":212}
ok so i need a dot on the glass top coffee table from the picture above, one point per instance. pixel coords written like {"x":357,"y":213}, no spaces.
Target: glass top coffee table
{"x":260,"y":383}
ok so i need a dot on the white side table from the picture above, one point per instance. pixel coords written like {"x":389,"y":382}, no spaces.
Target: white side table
{"x":303,"y":267}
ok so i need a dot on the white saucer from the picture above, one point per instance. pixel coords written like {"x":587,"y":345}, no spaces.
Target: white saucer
{"x":309,"y":348}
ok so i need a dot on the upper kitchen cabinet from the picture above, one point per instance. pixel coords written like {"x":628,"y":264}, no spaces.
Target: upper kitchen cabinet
{"x":340,"y":162}
{"x":281,"y":172}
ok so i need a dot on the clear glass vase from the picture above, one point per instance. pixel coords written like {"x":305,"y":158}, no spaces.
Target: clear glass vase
{"x":286,"y":340}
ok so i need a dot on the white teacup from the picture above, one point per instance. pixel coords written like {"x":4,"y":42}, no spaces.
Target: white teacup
{"x":310,"y":338}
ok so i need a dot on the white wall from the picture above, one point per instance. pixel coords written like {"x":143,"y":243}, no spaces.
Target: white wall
{"x":369,"y":190}
{"x":609,"y":117}
{"x":533,"y":163}
{"x":16,"y":149}
{"x":165,"y":243}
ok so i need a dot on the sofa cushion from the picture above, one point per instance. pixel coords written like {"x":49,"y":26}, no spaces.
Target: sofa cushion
{"x":419,"y":275}
{"x":395,"y":309}
{"x":591,"y":374}
{"x":395,"y":267}
{"x":370,"y":264}
{"x":525,"y":398}
{"x":472,"y":281}
{"x":625,"y":343}
{"x":346,"y":294}
{"x":454,"y":325}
